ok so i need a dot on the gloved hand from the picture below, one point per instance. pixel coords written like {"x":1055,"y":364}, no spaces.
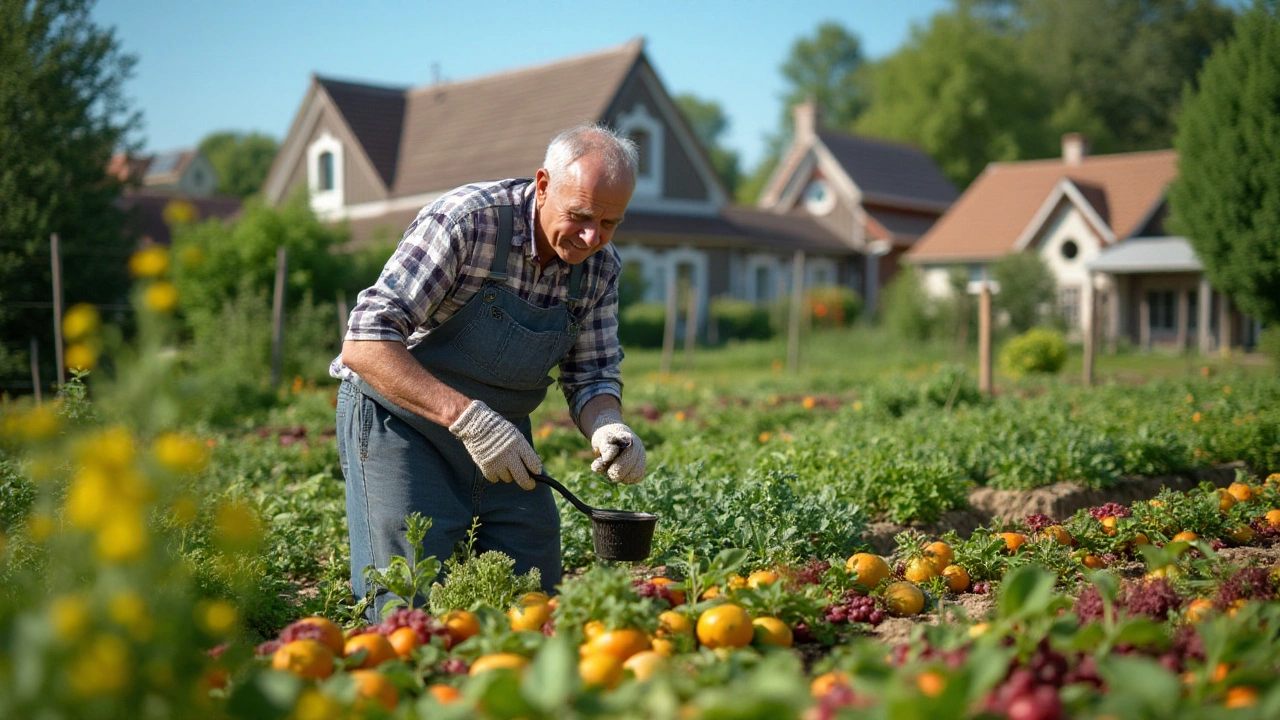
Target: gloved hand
{"x":620,"y":454}
{"x":496,"y":445}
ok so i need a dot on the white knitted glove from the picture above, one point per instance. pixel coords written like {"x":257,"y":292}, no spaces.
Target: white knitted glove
{"x":496,"y":445}
{"x":620,"y":454}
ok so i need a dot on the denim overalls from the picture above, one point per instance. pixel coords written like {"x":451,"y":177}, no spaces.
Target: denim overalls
{"x":499,"y":349}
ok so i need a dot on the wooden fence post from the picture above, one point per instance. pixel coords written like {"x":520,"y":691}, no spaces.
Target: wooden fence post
{"x":984,"y":336}
{"x":797,"y":301}
{"x":277,"y":317}
{"x":56,"y":253}
{"x":1090,"y":333}
{"x":690,"y":325}
{"x":35,"y":369}
{"x":669,"y":326}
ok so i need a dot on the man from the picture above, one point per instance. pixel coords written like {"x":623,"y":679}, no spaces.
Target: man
{"x":448,"y":353}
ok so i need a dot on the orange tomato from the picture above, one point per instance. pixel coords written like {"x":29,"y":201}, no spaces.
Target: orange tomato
{"x":600,"y":670}
{"x":593,"y":629}
{"x":1013,"y":540}
{"x":1241,"y":696}
{"x":331,"y":634}
{"x":903,"y":599}
{"x":621,"y":644}
{"x":499,"y":661}
{"x":1094,"y":562}
{"x":1226,"y":500}
{"x":921,"y":569}
{"x":665,"y":647}
{"x":677,"y":596}
{"x":461,"y":624}
{"x":957,"y":578}
{"x":645,"y":664}
{"x":771,"y":631}
{"x":761,"y":577}
{"x":1185,"y":536}
{"x":445,"y":694}
{"x":1273,"y":518}
{"x":372,"y":685}
{"x":1058,"y":533}
{"x":737,"y":582}
{"x":377,"y":649}
{"x":671,"y":622}
{"x":941,"y":553}
{"x":1198,"y":609}
{"x":726,"y":625}
{"x":403,"y":640}
{"x":1240,"y":491}
{"x":530,"y":617}
{"x":931,"y":683}
{"x":827,"y":682}
{"x":1108,"y":525}
{"x":870,"y":568}
{"x":308,"y":658}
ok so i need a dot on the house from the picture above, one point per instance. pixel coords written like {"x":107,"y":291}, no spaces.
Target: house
{"x":1098,"y":223}
{"x":371,"y":156}
{"x":878,"y":196}
{"x":163,"y":189}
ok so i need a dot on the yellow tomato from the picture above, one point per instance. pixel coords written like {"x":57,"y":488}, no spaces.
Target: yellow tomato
{"x":725,"y":625}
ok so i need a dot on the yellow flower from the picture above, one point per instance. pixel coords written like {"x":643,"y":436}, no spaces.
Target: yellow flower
{"x":1226,"y":389}
{"x":80,"y":355}
{"x":216,"y":617}
{"x":314,"y":705}
{"x":181,"y":453}
{"x":89,"y":498}
{"x":111,"y":449}
{"x":161,"y":297}
{"x":80,"y":322}
{"x":1195,"y":417}
{"x":101,"y":668}
{"x":40,"y":527}
{"x":179,"y":212}
{"x":70,"y":617}
{"x":129,"y":610}
{"x":39,"y":423}
{"x":857,"y":405}
{"x":122,"y":537}
{"x":237,"y":526}
{"x":764,"y":436}
{"x":151,"y":262}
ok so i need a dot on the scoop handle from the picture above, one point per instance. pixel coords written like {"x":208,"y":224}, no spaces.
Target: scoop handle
{"x":555,"y":485}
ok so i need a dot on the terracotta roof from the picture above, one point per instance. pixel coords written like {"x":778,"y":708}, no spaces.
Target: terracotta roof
{"x":375,"y":115}
{"x":888,"y":170}
{"x":499,"y":126}
{"x":995,"y":211}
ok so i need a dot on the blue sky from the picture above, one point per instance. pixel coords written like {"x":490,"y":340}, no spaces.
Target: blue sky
{"x":237,"y":65}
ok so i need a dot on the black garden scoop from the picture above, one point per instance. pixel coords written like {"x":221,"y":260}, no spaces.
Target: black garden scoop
{"x":615,"y":534}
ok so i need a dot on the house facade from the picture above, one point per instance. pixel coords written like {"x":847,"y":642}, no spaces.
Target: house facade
{"x":1097,"y":222}
{"x":161,"y":188}
{"x":877,"y":196}
{"x":372,"y":156}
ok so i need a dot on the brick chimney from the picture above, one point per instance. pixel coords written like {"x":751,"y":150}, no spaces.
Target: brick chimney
{"x":1075,"y":148}
{"x":807,"y":118}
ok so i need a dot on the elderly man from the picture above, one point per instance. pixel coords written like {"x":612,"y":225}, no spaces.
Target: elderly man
{"x":448,"y":353}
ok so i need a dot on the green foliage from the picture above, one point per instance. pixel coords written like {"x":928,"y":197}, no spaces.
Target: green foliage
{"x":230,"y":358}
{"x":242,"y":160}
{"x":1026,"y":287}
{"x":833,"y":305}
{"x":740,"y":320}
{"x":708,"y":121}
{"x":606,"y":594}
{"x":407,"y":579}
{"x":1226,"y":198}
{"x":1269,"y":343}
{"x":641,"y":324}
{"x":487,"y":579}
{"x":825,"y":68}
{"x":958,"y":91}
{"x":909,"y":312}
{"x":1036,"y":351}
{"x":65,"y":113}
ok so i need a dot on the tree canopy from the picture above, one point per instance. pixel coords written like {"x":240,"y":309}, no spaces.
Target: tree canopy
{"x":64,"y":111}
{"x":825,"y":68}
{"x":242,"y":160}
{"x":1226,"y":198}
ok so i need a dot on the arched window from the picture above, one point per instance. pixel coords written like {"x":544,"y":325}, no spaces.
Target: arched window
{"x":644,"y":143}
{"x":326,"y":172}
{"x":647,"y":132}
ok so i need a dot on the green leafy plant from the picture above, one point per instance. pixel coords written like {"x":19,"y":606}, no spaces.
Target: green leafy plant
{"x":606,"y":594}
{"x":1036,"y":351}
{"x":407,"y":579}
{"x":488,"y":579}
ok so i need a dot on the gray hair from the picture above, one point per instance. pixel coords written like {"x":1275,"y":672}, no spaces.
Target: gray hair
{"x":620,"y":154}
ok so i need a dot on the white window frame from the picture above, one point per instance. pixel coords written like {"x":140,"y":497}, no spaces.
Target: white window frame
{"x":639,"y":118}
{"x":814,"y":265}
{"x":323,"y":201}
{"x":754,"y":263}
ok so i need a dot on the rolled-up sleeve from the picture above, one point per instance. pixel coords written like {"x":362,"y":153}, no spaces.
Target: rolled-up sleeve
{"x":414,"y":281}
{"x":592,"y":366}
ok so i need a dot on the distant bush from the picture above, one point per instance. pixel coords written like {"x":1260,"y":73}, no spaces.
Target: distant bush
{"x":1269,"y":343}
{"x":909,"y":312}
{"x":640,"y":325}
{"x":740,"y":320}
{"x":1036,"y":351}
{"x":833,"y":306}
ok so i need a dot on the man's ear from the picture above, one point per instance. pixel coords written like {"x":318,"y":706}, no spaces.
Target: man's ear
{"x":541,"y":181}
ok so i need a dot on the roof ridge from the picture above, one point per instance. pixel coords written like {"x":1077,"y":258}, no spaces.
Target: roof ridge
{"x":871,"y":138}
{"x":634,"y":47}
{"x":1087,"y":160}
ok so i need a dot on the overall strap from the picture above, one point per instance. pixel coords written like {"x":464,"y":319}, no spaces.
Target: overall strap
{"x":575,"y":282}
{"x":502,"y":248}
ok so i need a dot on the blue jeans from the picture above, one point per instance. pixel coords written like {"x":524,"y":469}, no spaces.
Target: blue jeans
{"x":392,"y":470}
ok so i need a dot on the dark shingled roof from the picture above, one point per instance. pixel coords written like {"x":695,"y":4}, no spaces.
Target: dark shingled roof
{"x":889,"y":170}
{"x":376,"y":116}
{"x":901,"y":224}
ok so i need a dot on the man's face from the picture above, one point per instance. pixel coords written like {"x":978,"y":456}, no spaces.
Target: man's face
{"x":578,"y":213}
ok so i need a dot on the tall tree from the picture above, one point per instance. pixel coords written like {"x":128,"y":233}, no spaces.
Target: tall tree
{"x":708,"y":121}
{"x":825,"y":68}
{"x":242,"y":160}
{"x":62,"y":113}
{"x":1226,"y":198}
{"x":958,"y":90}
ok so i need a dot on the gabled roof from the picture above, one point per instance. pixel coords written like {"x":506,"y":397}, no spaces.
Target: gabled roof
{"x":1147,"y":255}
{"x":888,"y":171}
{"x":167,"y":167}
{"x":375,"y":116}
{"x":1002,"y":204}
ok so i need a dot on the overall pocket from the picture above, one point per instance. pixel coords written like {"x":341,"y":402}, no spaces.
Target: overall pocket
{"x":512,"y":355}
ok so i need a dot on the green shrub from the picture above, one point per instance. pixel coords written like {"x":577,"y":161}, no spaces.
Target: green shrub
{"x":1269,"y":343}
{"x":832,"y":306}
{"x":1035,"y":351}
{"x":640,"y":325}
{"x":909,"y":312}
{"x":740,"y":320}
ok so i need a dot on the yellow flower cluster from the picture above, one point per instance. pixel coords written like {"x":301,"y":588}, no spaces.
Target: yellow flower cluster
{"x":109,"y":496}
{"x":152,"y":265}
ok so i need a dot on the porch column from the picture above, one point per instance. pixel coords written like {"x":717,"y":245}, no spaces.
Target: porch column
{"x":1183,"y":304}
{"x":872,"y":284}
{"x":1144,"y":321}
{"x":1204,"y":301}
{"x":1224,"y":325}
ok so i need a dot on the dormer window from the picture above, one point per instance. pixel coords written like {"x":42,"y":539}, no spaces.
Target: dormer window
{"x":324,"y":174}
{"x":647,"y":132}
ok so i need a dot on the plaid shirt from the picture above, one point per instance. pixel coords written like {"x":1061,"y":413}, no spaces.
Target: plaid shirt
{"x":443,"y":260}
